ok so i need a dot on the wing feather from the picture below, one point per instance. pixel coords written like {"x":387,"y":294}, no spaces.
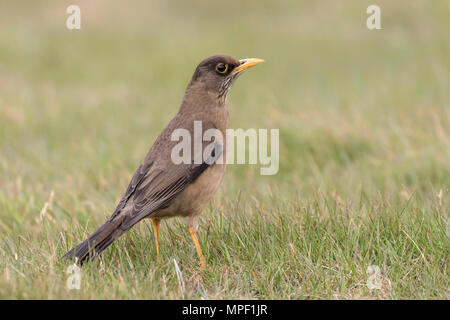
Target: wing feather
{"x":154,"y":185}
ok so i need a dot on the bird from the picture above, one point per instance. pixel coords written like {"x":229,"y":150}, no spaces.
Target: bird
{"x":160,"y":188}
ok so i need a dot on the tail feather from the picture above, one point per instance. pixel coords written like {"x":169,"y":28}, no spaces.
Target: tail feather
{"x":96,"y":243}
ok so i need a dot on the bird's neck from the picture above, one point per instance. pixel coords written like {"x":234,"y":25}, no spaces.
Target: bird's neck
{"x":206,"y":106}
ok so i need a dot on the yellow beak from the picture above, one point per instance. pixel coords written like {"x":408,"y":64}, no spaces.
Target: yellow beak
{"x":247,"y":63}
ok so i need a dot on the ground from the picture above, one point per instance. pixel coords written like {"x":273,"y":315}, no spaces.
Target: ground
{"x":364,"y":120}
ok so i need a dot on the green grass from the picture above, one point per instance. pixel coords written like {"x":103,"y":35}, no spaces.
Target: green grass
{"x":364,"y":119}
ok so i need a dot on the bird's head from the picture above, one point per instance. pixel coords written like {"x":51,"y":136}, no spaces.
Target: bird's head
{"x":216,"y":74}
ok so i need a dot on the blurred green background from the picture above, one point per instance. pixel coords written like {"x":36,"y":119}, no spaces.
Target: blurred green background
{"x":360,"y":112}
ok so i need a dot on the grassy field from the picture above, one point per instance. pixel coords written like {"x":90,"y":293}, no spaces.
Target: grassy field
{"x":364,"y":119}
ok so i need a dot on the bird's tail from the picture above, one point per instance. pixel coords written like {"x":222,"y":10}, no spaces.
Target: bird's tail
{"x":96,"y":243}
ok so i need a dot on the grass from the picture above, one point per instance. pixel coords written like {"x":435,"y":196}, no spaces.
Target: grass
{"x":364,"y":119}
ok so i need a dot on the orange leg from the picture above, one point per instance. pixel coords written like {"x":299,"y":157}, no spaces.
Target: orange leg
{"x":197,"y":247}
{"x":155,"y":223}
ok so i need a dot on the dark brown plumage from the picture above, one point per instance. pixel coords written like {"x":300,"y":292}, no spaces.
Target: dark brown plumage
{"x":161,"y":189}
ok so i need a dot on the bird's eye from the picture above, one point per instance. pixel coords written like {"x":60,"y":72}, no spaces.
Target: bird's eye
{"x":222,"y":68}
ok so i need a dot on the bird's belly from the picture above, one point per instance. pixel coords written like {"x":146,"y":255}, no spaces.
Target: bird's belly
{"x":195,"y":196}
